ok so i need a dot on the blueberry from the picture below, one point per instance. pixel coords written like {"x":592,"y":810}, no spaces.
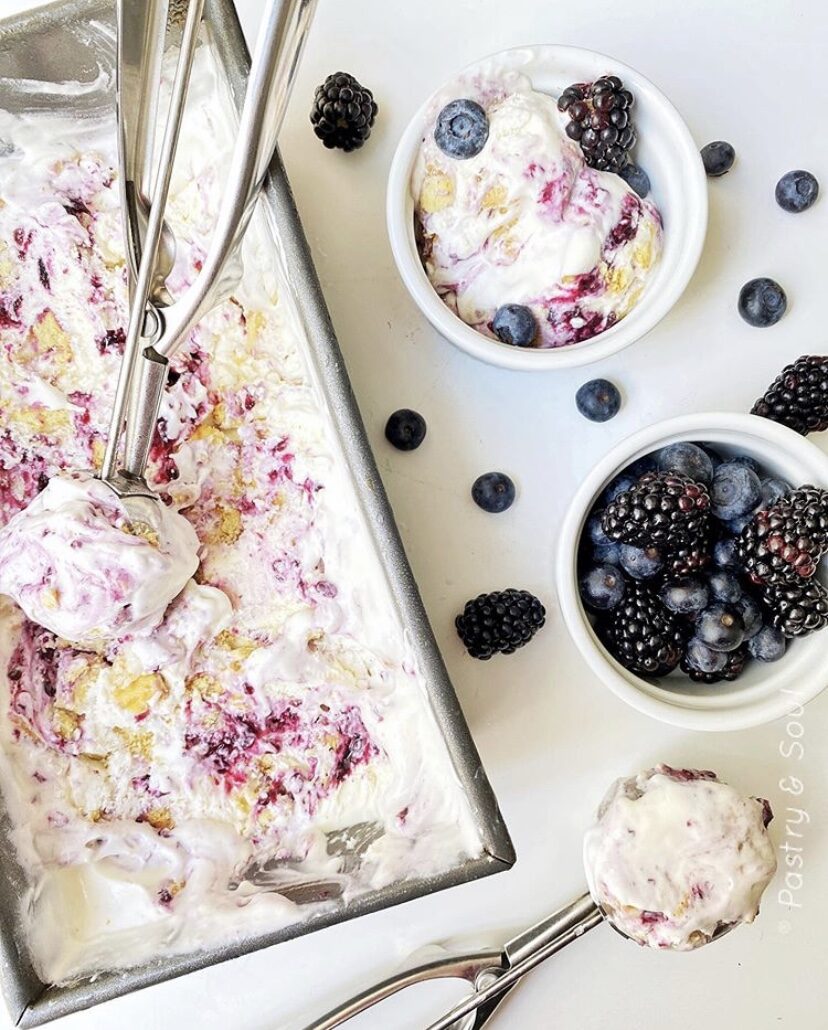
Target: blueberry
{"x":768,"y":645}
{"x":405,"y":429}
{"x":603,"y":587}
{"x":736,"y":491}
{"x":772,"y":489}
{"x":724,"y":586}
{"x":685,"y":596}
{"x":619,"y":485}
{"x":736,"y":526}
{"x":747,"y":461}
{"x":635,"y":177}
{"x":515,"y":324}
{"x":796,"y":191}
{"x":762,"y":302}
{"x":751,"y":614}
{"x":598,"y":400}
{"x":607,"y":554}
{"x":462,"y":129}
{"x":595,"y":530}
{"x":725,"y":553}
{"x":714,"y":455}
{"x":703,"y":658}
{"x":641,"y":466}
{"x":721,"y":627}
{"x":718,"y":158}
{"x":641,"y":563}
{"x":493,"y":492}
{"x":688,"y":459}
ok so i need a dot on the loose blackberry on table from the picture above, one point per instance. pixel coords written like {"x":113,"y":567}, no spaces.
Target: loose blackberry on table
{"x":798,"y":397}
{"x":499,"y":622}
{"x":343,"y":112}
{"x":600,"y":121}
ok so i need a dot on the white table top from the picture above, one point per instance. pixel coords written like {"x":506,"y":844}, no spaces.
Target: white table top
{"x":551,"y":737}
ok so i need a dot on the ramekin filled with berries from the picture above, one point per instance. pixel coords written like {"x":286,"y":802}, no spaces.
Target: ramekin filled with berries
{"x":692,"y":570}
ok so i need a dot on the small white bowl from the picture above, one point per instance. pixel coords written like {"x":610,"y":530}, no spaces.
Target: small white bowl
{"x":765,"y":691}
{"x":679,"y":188}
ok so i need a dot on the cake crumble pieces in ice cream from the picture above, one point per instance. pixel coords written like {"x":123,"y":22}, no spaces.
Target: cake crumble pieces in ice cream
{"x":274,"y":701}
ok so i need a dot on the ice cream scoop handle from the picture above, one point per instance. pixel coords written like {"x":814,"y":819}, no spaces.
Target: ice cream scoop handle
{"x":491,"y":972}
{"x":555,"y":934}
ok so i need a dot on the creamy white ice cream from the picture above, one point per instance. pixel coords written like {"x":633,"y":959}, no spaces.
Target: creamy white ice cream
{"x":80,"y":564}
{"x":277,"y":706}
{"x":676,"y":856}
{"x":526,"y":221}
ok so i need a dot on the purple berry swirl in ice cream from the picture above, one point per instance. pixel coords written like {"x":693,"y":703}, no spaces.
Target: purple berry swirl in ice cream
{"x":512,"y":215}
{"x":677,"y":857}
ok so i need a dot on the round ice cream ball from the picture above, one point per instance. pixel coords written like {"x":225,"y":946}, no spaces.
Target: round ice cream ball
{"x":78,"y":564}
{"x":677,"y":856}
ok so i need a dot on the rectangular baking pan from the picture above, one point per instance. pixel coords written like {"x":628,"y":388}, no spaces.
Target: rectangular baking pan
{"x":52,"y":44}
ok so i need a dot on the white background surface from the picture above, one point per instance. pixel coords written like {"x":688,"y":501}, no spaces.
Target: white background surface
{"x":551,"y":737}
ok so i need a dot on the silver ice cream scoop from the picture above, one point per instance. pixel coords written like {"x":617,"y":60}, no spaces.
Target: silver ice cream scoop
{"x":158,"y":324}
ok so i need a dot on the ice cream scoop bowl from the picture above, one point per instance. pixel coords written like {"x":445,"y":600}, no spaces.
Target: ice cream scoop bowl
{"x":690,"y":821}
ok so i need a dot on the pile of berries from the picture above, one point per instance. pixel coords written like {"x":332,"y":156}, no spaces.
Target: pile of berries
{"x":695,"y":561}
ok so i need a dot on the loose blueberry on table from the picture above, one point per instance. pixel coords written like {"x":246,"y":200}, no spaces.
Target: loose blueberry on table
{"x":762,"y":302}
{"x":598,"y":400}
{"x":494,"y":492}
{"x":717,"y":158}
{"x":796,"y":191}
{"x":683,"y":591}
{"x":405,"y":429}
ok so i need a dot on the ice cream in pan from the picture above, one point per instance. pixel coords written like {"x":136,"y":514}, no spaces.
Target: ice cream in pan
{"x":275,"y":704}
{"x":675,"y":860}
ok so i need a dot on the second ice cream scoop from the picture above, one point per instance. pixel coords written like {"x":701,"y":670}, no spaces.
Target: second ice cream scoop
{"x":675,"y":860}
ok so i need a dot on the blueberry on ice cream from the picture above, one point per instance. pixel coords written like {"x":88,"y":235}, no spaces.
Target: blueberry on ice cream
{"x":677,"y":857}
{"x":508,"y":212}
{"x":79,"y":565}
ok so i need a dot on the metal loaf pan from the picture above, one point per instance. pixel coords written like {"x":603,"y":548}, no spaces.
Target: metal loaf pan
{"x":53,"y":45}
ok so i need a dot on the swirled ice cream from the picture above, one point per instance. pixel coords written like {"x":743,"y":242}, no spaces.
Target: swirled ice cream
{"x":82,"y":565}
{"x":526,"y":221}
{"x":677,"y":857}
{"x":273,"y":728}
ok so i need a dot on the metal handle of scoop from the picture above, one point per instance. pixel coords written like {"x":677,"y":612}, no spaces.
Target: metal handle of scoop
{"x":140,"y":313}
{"x":491,"y":972}
{"x":275,"y":63}
{"x":141,"y":33}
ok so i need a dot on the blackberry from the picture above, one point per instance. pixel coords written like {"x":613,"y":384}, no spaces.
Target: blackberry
{"x":734,"y":666}
{"x":665,"y":509}
{"x":784,"y":543}
{"x":343,"y":112}
{"x":797,"y":609}
{"x":500,"y":622}
{"x":798,"y":397}
{"x":688,"y":558}
{"x":600,"y":122}
{"x":641,"y":634}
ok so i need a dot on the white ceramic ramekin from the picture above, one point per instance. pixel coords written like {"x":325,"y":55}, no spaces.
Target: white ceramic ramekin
{"x":765,"y":691}
{"x":665,"y":149}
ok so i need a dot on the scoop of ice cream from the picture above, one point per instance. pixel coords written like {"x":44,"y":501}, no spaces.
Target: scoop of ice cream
{"x":78,"y":563}
{"x":526,"y":221}
{"x":676,"y":856}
